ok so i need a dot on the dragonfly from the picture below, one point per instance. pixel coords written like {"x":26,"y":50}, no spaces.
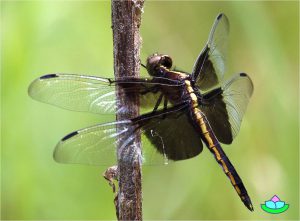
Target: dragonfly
{"x":182,"y":111}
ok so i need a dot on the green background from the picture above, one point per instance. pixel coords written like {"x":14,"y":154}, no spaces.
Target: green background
{"x":40,"y":37}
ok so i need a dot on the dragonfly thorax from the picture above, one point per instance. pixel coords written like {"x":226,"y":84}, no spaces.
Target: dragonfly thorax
{"x":157,"y":64}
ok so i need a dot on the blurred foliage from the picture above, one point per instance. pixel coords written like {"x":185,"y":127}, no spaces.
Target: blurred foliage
{"x":41,"y":37}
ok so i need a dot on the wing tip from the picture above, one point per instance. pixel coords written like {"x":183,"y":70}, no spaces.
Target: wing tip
{"x":58,"y":154}
{"x":220,"y":16}
{"x":224,"y":18}
{"x":244,"y":75}
{"x":69,"y":136}
{"x":47,"y":76}
{"x":32,"y":87}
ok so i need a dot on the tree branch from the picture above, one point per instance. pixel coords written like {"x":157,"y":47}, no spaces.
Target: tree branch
{"x":126,"y":20}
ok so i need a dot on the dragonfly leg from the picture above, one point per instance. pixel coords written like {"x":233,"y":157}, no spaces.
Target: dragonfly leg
{"x":165,"y":103}
{"x":158,"y":103}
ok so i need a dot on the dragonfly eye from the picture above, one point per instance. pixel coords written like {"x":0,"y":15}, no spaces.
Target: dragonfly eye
{"x":166,"y":61}
{"x":155,"y":62}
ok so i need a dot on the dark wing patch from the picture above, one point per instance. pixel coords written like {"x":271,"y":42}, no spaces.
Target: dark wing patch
{"x":209,"y":77}
{"x":225,"y":107}
{"x":172,"y":134}
{"x":215,"y":111}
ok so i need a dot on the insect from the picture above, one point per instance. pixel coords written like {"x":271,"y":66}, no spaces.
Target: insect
{"x":186,"y":110}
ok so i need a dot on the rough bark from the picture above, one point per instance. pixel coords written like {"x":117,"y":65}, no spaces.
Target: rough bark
{"x":126,"y":20}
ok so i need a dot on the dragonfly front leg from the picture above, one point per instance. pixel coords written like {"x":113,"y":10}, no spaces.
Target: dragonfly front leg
{"x":158,"y":103}
{"x":165,"y":103}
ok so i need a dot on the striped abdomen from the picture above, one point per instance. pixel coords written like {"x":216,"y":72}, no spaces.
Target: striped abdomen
{"x":215,"y":148}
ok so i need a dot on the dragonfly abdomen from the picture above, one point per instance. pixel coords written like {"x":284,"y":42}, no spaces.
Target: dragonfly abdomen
{"x":215,"y":148}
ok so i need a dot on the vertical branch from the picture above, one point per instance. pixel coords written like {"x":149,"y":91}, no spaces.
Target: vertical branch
{"x":126,"y":19}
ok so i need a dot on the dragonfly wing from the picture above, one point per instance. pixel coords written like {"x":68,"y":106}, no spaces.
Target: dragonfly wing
{"x":75,"y":92}
{"x":171,"y":133}
{"x":97,"y":145}
{"x":225,"y":107}
{"x":209,"y":67}
{"x":94,"y":145}
{"x":95,"y":94}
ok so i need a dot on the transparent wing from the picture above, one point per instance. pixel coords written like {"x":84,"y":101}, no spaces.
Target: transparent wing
{"x":95,"y":94}
{"x":209,"y":67}
{"x":93,"y":145}
{"x":225,"y":107}
{"x":168,"y":141}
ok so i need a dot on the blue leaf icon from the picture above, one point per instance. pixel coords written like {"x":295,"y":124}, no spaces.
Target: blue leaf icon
{"x":270,"y":204}
{"x":279,"y":204}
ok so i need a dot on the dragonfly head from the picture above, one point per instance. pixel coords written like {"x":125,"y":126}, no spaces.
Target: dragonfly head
{"x":156,"y":63}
